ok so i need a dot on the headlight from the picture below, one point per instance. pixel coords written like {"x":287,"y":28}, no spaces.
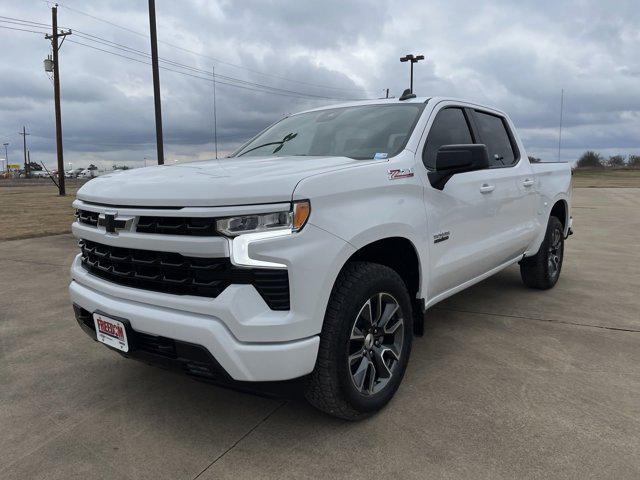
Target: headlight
{"x":293,"y":221}
{"x":243,"y":230}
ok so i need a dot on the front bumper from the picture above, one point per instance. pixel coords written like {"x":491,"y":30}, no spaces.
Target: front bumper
{"x":249,"y":341}
{"x":241,"y":361}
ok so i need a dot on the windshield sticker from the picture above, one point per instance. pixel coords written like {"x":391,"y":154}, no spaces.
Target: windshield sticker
{"x":380,"y":156}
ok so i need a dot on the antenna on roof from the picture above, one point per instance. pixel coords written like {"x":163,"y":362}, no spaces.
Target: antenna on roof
{"x":406,"y":95}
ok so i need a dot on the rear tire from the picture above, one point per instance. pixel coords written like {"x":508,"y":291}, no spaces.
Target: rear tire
{"x":365,"y":342}
{"x":543,"y":269}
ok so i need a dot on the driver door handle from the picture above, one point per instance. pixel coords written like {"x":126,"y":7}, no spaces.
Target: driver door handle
{"x":486,"y":188}
{"x":528,"y":182}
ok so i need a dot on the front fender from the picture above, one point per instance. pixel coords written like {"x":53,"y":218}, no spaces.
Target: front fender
{"x":363,"y":205}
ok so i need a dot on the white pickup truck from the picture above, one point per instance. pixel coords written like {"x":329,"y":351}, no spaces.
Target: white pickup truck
{"x":313,"y":251}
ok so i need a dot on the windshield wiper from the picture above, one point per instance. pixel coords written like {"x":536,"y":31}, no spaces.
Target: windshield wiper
{"x":287,"y":137}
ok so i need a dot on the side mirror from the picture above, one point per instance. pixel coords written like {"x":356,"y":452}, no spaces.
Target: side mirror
{"x":452,"y":159}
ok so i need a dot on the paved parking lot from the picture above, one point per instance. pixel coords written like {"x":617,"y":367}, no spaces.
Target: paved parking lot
{"x":507,"y":383}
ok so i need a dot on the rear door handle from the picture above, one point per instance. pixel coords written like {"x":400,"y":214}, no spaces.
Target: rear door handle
{"x":486,"y":188}
{"x":527,"y":182}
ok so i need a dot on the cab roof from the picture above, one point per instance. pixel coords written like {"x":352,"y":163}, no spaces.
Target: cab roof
{"x":391,"y":101}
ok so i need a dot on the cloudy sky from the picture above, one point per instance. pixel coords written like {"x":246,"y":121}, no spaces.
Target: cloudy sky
{"x":277,"y":57}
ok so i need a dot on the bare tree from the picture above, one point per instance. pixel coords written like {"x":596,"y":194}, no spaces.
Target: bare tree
{"x":590,"y":159}
{"x":634,"y":161}
{"x":616,"y":161}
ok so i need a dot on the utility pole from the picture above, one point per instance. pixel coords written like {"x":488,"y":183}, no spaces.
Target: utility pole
{"x":55,"y":35}
{"x":156,"y":80}
{"x":24,"y":147}
{"x":387,"y":93}
{"x":215,"y":121}
{"x":412,"y":59}
{"x":6,"y":156}
{"x":560,"y":130}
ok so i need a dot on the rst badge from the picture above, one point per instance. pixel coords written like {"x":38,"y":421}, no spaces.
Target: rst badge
{"x":441,"y":237}
{"x":398,"y":173}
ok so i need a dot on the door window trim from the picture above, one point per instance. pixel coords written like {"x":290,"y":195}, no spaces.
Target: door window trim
{"x":505,"y":124}
{"x":471,"y":126}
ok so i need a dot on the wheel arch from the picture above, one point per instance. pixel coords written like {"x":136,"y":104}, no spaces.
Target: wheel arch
{"x":560,"y":210}
{"x":400,"y":254}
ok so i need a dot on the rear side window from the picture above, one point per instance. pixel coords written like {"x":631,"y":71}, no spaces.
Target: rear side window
{"x":493,"y":134}
{"x":449,"y":128}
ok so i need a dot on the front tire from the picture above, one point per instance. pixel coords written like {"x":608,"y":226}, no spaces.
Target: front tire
{"x":365,"y":342}
{"x":543,"y":269}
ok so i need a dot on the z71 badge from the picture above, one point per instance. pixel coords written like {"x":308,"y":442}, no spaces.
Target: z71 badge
{"x":398,"y":173}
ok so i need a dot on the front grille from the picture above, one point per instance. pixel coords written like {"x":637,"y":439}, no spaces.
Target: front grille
{"x":195,"y":226}
{"x":87,"y":217}
{"x":176,"y":274}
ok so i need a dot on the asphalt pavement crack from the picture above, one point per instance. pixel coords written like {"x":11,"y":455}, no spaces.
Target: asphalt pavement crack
{"x":522,"y":317}
{"x":249,"y":432}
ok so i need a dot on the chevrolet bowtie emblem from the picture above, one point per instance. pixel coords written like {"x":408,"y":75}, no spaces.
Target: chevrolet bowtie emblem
{"x":111,"y":223}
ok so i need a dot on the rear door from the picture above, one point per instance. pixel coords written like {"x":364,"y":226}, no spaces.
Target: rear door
{"x":511,"y":222}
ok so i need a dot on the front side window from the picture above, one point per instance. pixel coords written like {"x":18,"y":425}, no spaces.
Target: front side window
{"x":449,"y":128}
{"x":359,"y":132}
{"x":494,"y":135}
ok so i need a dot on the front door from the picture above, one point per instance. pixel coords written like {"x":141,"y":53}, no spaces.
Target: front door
{"x":459,"y":215}
{"x":483,"y":219}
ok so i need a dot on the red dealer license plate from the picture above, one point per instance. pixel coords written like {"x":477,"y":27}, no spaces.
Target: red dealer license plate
{"x":111,"y":332}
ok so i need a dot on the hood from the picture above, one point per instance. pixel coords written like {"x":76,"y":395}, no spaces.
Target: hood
{"x":228,"y":181}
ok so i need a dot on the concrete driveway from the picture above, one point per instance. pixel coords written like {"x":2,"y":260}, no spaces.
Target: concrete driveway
{"x":507,"y":383}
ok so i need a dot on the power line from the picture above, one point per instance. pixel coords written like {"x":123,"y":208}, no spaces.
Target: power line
{"x":23,"y":30}
{"x":125,"y":48}
{"x":217,"y":60}
{"x":218,"y":82}
{"x":258,"y":86}
{"x":20,"y":20}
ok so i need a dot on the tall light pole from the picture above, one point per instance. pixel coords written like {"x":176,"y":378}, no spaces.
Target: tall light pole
{"x":412,"y":59}
{"x":6,"y":156}
{"x":215,"y":119}
{"x":560,"y":129}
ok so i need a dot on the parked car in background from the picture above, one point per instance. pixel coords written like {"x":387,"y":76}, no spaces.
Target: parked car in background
{"x":315,"y":249}
{"x":39,"y":174}
{"x":91,"y":171}
{"x":74,"y":173}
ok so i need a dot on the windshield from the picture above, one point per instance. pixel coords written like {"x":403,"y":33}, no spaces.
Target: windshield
{"x":361,"y":132}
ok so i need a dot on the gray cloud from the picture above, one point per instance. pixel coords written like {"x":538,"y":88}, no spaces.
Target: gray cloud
{"x":512,"y":54}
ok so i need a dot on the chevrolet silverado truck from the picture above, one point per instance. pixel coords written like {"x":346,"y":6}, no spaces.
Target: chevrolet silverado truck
{"x":313,"y":251}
